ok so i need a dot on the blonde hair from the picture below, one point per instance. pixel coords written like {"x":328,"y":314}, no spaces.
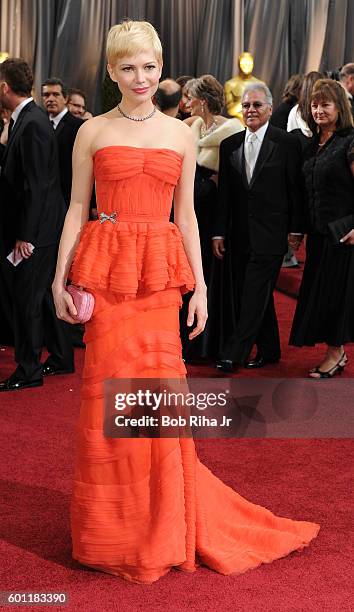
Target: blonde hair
{"x":130,"y":37}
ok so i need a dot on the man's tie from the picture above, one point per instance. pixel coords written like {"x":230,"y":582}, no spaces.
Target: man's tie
{"x":250,"y":155}
{"x":53,"y":124}
{"x":11,"y":125}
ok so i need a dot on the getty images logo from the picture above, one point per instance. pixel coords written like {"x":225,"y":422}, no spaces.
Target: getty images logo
{"x":156,"y":400}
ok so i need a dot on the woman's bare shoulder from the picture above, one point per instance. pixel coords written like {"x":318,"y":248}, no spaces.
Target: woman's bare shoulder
{"x":93,"y":127}
{"x":176,"y":125}
{"x":178,"y":135}
{"x":98,"y":121}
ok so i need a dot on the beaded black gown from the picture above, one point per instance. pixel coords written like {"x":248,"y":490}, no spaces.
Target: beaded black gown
{"x":325,"y":308}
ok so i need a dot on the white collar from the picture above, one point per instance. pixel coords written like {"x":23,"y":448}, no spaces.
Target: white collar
{"x":19,"y":108}
{"x":58,"y":118}
{"x":260,"y":133}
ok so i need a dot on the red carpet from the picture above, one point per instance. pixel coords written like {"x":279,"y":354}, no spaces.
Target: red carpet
{"x":305,"y":479}
{"x":289,"y":279}
{"x":295,"y":362}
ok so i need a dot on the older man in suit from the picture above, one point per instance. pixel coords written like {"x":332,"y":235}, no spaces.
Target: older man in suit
{"x":66,"y":126}
{"x":32,"y":214}
{"x":260,"y":203}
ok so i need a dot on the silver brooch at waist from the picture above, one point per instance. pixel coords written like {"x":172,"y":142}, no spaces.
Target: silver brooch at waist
{"x":112,"y":217}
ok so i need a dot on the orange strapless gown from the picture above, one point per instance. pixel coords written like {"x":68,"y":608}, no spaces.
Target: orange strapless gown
{"x":142,"y":506}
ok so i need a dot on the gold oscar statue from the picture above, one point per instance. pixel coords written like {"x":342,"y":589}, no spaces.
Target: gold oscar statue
{"x":235,"y":87}
{"x":3,"y":56}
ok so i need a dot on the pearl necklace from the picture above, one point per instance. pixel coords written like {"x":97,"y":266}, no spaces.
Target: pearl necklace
{"x":136,"y":118}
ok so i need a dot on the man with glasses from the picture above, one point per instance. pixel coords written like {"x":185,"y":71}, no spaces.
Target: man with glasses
{"x":260,"y":203}
{"x":77,"y":104}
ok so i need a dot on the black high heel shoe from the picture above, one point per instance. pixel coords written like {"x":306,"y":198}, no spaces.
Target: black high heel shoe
{"x":333,"y":371}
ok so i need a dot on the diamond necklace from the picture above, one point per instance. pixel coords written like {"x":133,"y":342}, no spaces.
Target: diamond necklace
{"x":204,"y":131}
{"x":136,"y":118}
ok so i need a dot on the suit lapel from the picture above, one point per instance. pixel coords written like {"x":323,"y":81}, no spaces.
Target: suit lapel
{"x":61,"y":124}
{"x":237,"y":160}
{"x":265,"y":152}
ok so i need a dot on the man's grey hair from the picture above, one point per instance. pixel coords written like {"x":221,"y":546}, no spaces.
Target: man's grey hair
{"x":347,"y":70}
{"x":259,"y":87}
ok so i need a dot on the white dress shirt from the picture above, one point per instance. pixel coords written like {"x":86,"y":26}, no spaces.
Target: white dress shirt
{"x":55,"y":120}
{"x":253,"y":143}
{"x":19,"y":108}
{"x":257,"y":143}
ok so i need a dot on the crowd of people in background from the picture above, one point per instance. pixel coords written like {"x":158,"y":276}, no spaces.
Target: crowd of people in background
{"x":263,"y":181}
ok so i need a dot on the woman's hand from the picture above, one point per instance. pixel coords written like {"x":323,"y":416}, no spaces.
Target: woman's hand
{"x":348,"y":238}
{"x":64,"y":305}
{"x":197,"y":307}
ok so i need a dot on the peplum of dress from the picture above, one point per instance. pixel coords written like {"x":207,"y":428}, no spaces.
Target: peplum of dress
{"x":143,"y":506}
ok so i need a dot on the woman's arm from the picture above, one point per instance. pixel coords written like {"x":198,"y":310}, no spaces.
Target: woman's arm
{"x":185,"y":218}
{"x":75,"y":219}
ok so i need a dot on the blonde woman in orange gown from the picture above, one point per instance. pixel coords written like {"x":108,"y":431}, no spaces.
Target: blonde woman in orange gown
{"x":143,"y":506}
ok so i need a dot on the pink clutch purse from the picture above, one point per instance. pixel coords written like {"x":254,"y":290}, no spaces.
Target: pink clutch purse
{"x":84,"y":303}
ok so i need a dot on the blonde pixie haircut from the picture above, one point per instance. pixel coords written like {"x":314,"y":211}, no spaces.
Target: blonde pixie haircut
{"x":131,"y":37}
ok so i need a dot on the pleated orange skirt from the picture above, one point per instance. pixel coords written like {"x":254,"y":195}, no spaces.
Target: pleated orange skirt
{"x":143,"y":506}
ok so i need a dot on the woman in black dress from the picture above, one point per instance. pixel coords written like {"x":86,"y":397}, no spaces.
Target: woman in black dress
{"x":210,"y":127}
{"x":325,"y":309}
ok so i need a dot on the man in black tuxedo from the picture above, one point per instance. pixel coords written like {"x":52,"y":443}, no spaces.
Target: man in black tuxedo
{"x":32,"y":214}
{"x":66,"y":126}
{"x":260,"y":202}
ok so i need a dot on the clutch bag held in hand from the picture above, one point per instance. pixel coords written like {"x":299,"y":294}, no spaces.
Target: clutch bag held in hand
{"x":84,"y":303}
{"x":340,"y":228}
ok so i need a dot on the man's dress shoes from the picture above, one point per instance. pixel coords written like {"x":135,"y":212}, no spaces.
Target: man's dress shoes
{"x":49,"y":370}
{"x":226,"y":365}
{"x":259,"y":362}
{"x":16,"y":384}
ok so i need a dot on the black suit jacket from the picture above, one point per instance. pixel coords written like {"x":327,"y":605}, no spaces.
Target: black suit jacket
{"x":258,"y":216}
{"x":65,"y":133}
{"x":32,"y":206}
